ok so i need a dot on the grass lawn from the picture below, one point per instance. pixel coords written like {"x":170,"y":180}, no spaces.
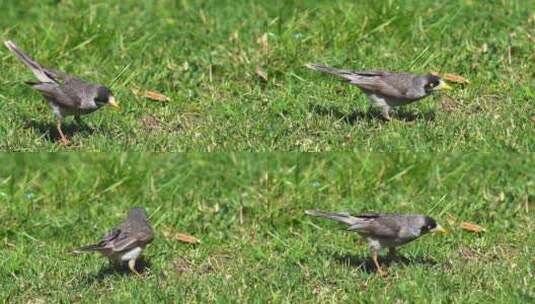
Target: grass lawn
{"x":204,"y":55}
{"x":256,"y":244}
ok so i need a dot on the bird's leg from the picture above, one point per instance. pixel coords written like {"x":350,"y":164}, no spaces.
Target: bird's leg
{"x":374,"y":258}
{"x":132,"y":266}
{"x":386,"y":113}
{"x":63,"y":138}
{"x":374,"y":247}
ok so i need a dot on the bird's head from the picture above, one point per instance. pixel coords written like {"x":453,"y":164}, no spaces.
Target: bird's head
{"x":432,"y":83}
{"x":428,"y":224}
{"x":137,"y":213}
{"x":104,"y":97}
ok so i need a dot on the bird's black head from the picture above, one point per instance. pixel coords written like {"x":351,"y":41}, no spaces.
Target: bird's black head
{"x":104,"y":96}
{"x":429,"y":224}
{"x":431,"y":83}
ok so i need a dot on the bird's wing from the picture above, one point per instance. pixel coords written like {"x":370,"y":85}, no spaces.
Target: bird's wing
{"x":382,"y":82}
{"x":135,"y":232}
{"x":58,"y":75}
{"x":388,"y":84}
{"x":125,"y":241}
{"x":328,"y":69}
{"x":146,"y":236}
{"x":368,"y":78}
{"x":111,"y":235}
{"x":130,"y":240}
{"x":369,"y":215}
{"x":57,"y":94}
{"x":102,"y":244}
{"x":370,"y":73}
{"x":343,"y":217}
{"x":376,"y":224}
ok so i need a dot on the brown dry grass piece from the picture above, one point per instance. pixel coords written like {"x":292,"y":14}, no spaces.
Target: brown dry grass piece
{"x":152,"y":95}
{"x":471,"y":227}
{"x":452,"y":77}
{"x":181,"y":237}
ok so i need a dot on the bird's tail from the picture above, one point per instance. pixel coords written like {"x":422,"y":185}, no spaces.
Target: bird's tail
{"x":36,"y":68}
{"x":343,"y":217}
{"x":93,"y":247}
{"x":329,"y":70}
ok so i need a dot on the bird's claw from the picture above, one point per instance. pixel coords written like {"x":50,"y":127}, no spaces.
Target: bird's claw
{"x":132,"y":267}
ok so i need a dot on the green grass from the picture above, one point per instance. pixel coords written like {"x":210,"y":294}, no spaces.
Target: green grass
{"x":257,"y":246}
{"x":204,"y":54}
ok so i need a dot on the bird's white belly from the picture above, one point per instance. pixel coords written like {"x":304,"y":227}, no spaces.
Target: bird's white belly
{"x":380,"y":243}
{"x":131,"y":255}
{"x":62,"y":112}
{"x":387,"y":102}
{"x":378,"y":101}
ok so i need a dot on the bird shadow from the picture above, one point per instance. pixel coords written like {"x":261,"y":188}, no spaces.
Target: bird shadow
{"x":365,"y":263}
{"x":372,"y":114}
{"x":111,"y":270}
{"x":411,"y":116}
{"x":350,"y":118}
{"x":51,"y":134}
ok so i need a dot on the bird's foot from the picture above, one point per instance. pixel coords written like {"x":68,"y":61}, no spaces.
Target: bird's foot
{"x":378,"y":267}
{"x":385,"y":113}
{"x":132,"y":267}
{"x":63,"y":139}
{"x":386,"y":116}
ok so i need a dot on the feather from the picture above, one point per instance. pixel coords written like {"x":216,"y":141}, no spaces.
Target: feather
{"x":35,"y":67}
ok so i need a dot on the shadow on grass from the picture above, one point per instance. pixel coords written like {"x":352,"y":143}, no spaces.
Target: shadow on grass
{"x":372,"y":114}
{"x":366,"y":264}
{"x":51,"y":134}
{"x":111,"y":270}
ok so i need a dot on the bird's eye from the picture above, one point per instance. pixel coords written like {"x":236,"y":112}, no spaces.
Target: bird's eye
{"x":431,"y":85}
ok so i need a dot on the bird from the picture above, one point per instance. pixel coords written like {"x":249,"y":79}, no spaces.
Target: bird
{"x":388,"y":89}
{"x":383,"y":230}
{"x":124,"y":243}
{"x":66,"y":95}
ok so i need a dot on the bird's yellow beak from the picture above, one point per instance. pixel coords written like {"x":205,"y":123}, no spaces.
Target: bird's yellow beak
{"x":113,"y":103}
{"x":439,"y":228}
{"x":442,"y":86}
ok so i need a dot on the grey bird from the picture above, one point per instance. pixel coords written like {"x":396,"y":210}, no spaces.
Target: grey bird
{"x":66,"y":94}
{"x":383,"y":230}
{"x":124,"y":243}
{"x":388,"y":89}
